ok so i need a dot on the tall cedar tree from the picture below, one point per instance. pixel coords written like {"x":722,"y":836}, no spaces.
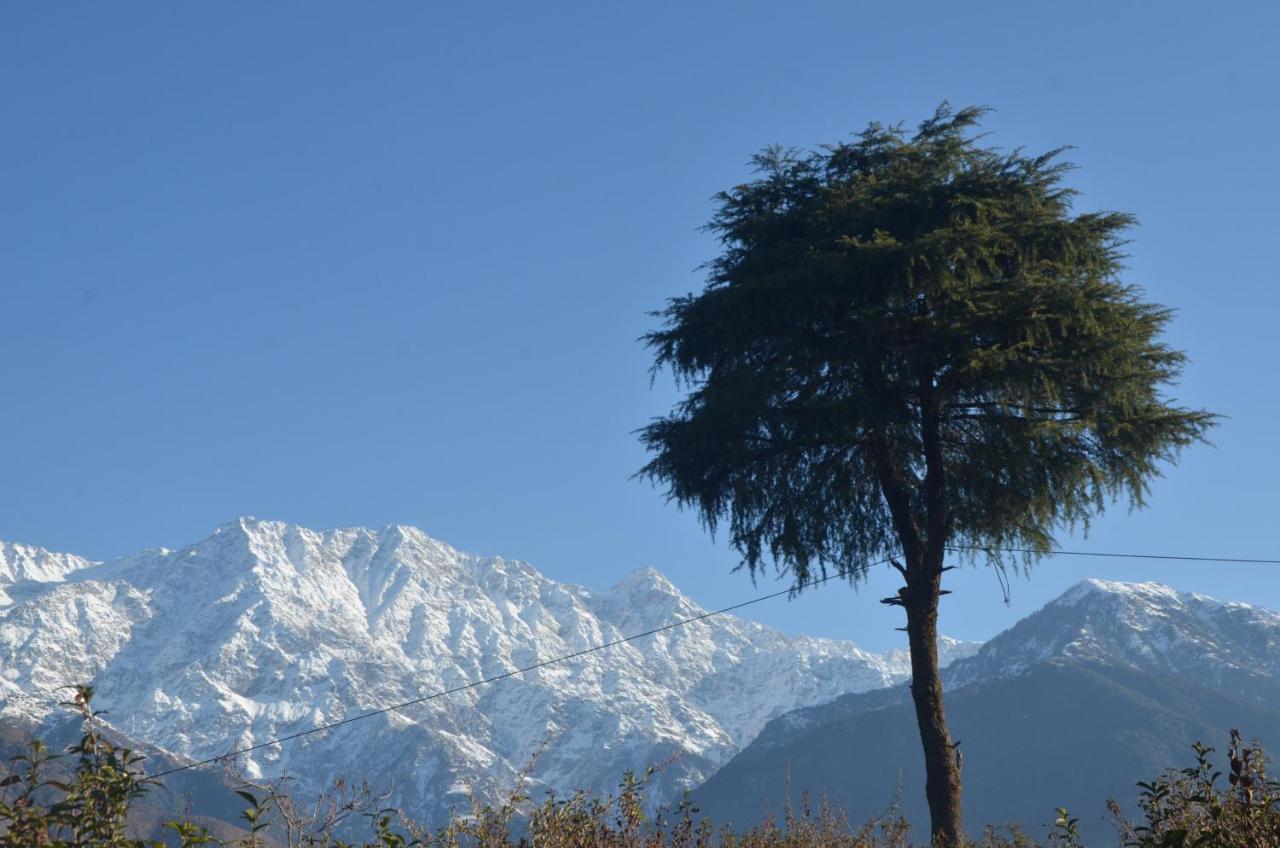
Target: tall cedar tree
{"x":910,"y":346}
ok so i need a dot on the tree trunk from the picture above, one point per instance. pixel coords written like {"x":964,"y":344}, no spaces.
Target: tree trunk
{"x":941,"y":763}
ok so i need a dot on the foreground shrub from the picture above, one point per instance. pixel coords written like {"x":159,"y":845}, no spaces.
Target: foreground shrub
{"x":1192,"y":807}
{"x":90,"y":809}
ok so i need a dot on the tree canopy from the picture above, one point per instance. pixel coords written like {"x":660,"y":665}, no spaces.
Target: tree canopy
{"x":912,"y":336}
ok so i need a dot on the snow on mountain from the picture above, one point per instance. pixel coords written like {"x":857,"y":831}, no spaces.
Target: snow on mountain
{"x":264,"y":629}
{"x":20,"y":563}
{"x":1139,"y":625}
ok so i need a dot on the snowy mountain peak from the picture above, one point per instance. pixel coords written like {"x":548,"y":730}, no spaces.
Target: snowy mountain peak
{"x":644,"y":599}
{"x":649,"y":585}
{"x":1094,"y":588}
{"x":1146,"y":625}
{"x":243,"y":530}
{"x":19,"y":563}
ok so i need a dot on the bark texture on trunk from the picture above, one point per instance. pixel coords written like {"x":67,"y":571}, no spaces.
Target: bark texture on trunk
{"x":923,"y":534}
{"x":941,"y":765}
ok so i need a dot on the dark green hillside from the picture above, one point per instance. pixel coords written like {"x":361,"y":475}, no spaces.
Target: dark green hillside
{"x":1077,"y":735}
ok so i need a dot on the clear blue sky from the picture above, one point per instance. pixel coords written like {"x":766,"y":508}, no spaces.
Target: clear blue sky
{"x":364,"y":263}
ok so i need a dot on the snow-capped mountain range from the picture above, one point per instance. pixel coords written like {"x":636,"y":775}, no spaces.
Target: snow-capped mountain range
{"x":264,"y":629}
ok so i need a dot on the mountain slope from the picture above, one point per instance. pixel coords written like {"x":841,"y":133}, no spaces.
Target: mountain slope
{"x":1065,"y":733}
{"x":264,"y":629}
{"x":1106,"y":685}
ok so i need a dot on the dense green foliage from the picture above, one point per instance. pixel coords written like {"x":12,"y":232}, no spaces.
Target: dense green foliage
{"x":892,"y":297}
{"x":91,"y":809}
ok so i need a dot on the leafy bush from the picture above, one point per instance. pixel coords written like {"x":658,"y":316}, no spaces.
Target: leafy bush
{"x":1191,"y":807}
{"x":90,"y":809}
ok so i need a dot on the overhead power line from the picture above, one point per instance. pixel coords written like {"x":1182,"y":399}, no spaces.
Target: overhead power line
{"x":670,"y":626}
{"x":1230,"y":560}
